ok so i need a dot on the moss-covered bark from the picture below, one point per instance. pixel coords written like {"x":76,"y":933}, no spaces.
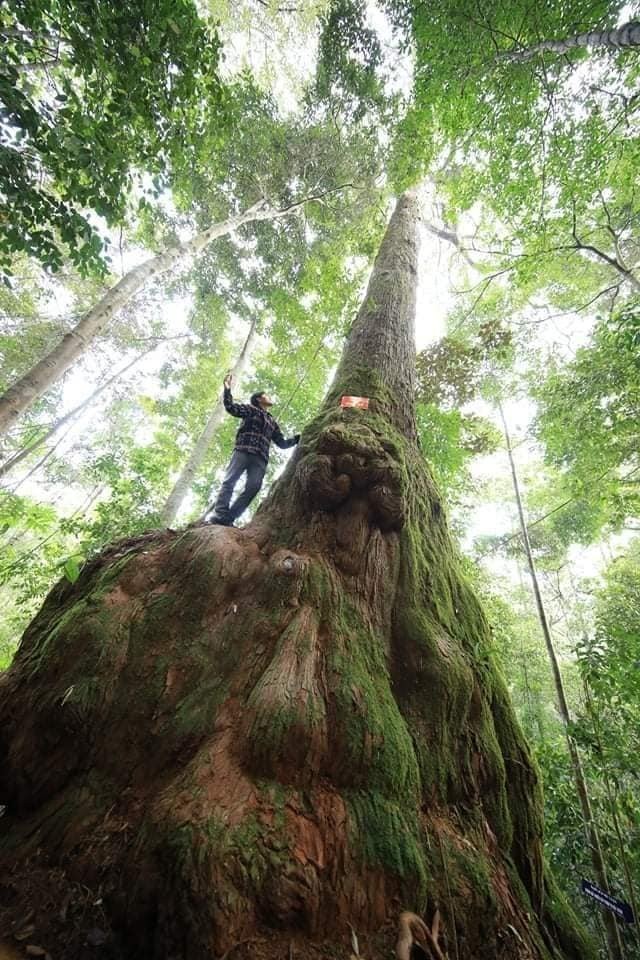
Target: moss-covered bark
{"x":285,"y":729}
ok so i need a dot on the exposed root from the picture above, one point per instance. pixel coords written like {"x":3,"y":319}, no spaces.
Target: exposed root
{"x":413,"y":930}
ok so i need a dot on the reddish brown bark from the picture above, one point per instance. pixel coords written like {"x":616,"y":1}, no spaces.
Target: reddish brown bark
{"x":242,"y":738}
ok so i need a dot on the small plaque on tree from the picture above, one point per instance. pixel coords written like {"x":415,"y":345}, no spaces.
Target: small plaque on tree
{"x":619,"y":907}
{"x":361,"y":403}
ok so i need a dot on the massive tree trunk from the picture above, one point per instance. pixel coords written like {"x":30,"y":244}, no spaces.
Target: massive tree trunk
{"x":200,"y":448}
{"x":251,"y":738}
{"x":51,"y":368}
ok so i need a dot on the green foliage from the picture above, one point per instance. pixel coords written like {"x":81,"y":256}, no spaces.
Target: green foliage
{"x":36,"y":546}
{"x":589,"y":414}
{"x":450,"y":440}
{"x":450,"y":374}
{"x":535,"y":156}
{"x":506,"y":116}
{"x":454,"y":370}
{"x":348,"y":60}
{"x":609,"y":660}
{"x":95,"y":95}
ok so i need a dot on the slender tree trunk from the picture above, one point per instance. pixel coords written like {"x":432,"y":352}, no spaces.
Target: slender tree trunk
{"x":613,"y":805}
{"x":202,"y":444}
{"x":43,"y":459}
{"x":71,"y":415}
{"x":594,"y":716}
{"x":51,"y":368}
{"x":619,"y":38}
{"x":614,"y":941}
{"x":251,"y":739}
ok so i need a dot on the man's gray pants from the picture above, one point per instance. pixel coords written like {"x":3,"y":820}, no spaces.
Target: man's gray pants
{"x":241,"y":462}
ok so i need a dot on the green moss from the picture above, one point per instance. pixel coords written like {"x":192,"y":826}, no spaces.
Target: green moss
{"x":361,"y":381}
{"x":523,"y":792}
{"x":385,"y":834}
{"x":84,"y":695}
{"x":468,"y":865}
{"x":255,"y":850}
{"x":433,"y":685}
{"x":319,"y":585}
{"x":495,"y":798}
{"x":181,"y":842}
{"x":195,"y":714}
{"x":371,"y":733}
{"x":56,"y":633}
{"x":108,"y":574}
{"x":564,"y":923}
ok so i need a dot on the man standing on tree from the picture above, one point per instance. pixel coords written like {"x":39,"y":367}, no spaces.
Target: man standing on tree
{"x":250,"y":455}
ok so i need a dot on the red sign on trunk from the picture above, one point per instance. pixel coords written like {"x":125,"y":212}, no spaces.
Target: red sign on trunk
{"x":362,"y":403}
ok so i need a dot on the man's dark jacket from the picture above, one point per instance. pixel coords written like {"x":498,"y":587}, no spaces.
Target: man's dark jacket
{"x":258,"y":428}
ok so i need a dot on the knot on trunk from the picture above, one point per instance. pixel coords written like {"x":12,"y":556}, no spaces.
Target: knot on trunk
{"x":288,"y":564}
{"x":388,"y":506}
{"x":350,"y":458}
{"x":319,"y":483}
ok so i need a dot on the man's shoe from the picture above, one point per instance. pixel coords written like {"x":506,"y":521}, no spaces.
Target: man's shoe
{"x":220,"y":521}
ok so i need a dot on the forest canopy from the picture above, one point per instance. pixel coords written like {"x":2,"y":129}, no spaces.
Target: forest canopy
{"x":188,"y":189}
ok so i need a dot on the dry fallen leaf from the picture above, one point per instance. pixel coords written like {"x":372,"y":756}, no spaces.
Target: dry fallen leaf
{"x":33,"y":950}
{"x":25,"y":933}
{"x":96,"y":937}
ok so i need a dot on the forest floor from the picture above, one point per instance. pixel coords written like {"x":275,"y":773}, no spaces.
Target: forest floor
{"x":44,"y":913}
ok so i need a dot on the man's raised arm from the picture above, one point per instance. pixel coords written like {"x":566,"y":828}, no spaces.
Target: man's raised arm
{"x":235,"y":409}
{"x":280,"y":441}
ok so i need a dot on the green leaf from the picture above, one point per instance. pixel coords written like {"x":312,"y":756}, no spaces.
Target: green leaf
{"x":71,"y":569}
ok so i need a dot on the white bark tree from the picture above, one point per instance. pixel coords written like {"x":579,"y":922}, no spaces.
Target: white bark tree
{"x":628,"y":35}
{"x":22,"y":394}
{"x":69,"y":417}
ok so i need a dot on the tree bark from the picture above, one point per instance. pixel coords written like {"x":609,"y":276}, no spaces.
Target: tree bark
{"x":614,"y":940}
{"x":51,"y":368}
{"x":202,"y":444}
{"x":619,"y":38}
{"x":252,"y":738}
{"x":57,"y":425}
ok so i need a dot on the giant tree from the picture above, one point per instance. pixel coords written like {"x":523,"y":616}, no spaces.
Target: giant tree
{"x":281,"y":730}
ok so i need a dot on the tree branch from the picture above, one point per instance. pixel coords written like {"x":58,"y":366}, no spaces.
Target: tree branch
{"x":612,"y":261}
{"x":263,"y":3}
{"x":449,"y":236}
{"x":625,"y":36}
